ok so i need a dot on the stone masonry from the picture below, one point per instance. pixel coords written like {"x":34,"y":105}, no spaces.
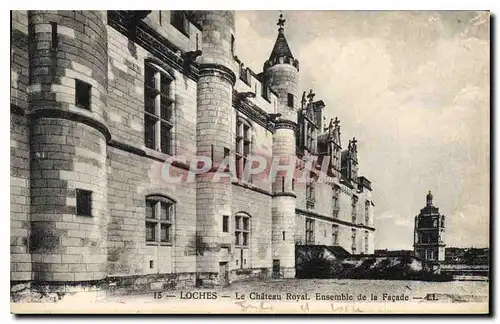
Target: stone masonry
{"x":79,"y":129}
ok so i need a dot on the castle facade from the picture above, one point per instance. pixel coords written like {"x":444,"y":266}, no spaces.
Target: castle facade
{"x":108,"y":108}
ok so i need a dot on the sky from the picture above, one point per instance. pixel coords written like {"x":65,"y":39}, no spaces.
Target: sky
{"x":414,"y":89}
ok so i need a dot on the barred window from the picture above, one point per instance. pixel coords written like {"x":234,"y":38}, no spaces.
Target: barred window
{"x":242,"y":230}
{"x":159,"y":219}
{"x":309,"y":231}
{"x":243,"y":145}
{"x":158,"y":112}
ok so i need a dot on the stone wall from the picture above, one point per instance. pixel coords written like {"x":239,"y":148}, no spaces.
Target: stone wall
{"x":67,"y":145}
{"x":64,"y":148}
{"x":284,"y":79}
{"x":20,"y":262}
{"x":258,"y":206}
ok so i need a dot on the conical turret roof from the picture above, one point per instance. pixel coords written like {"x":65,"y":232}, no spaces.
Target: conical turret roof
{"x":281,"y":47}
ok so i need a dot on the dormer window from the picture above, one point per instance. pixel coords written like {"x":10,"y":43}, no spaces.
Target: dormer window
{"x":310,"y":140}
{"x":179,"y":21}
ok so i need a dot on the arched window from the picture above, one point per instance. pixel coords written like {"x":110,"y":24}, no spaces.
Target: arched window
{"x":160,"y":214}
{"x":159,"y":108}
{"x":243,"y":145}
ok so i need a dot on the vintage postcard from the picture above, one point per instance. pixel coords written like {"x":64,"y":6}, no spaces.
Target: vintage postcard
{"x":333,"y":162}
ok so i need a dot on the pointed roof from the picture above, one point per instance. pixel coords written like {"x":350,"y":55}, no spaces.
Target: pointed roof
{"x":281,"y":47}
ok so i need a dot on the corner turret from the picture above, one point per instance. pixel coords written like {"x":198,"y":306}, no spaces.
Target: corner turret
{"x":281,"y":73}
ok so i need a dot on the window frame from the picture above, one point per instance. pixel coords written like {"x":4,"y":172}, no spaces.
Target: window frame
{"x":354,"y":203}
{"x":336,"y":202}
{"x":159,"y":109}
{"x":179,"y":21}
{"x":309,"y":227}
{"x":81,"y":85}
{"x":225,"y":223}
{"x":353,"y":237}
{"x":240,"y":232}
{"x":310,"y":192}
{"x":309,"y":135}
{"x":367,"y":212}
{"x":78,"y":210}
{"x":157,"y":222}
{"x":243,"y":146}
{"x":290,"y":100}
{"x":366,"y":238}
{"x":335,"y":234}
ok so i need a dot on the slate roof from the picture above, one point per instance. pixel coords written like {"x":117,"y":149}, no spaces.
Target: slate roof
{"x":281,"y":47}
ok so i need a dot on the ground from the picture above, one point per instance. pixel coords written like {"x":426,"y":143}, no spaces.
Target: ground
{"x":337,"y":296}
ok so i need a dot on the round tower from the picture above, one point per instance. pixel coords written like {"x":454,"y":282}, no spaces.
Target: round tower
{"x":281,"y":73}
{"x":214,"y":136}
{"x":67,"y":106}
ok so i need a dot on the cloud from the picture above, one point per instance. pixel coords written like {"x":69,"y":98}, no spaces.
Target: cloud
{"x":413,"y":87}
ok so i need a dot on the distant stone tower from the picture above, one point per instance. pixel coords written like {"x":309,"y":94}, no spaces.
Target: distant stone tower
{"x":429,"y":232}
{"x":281,"y":73}
{"x":67,"y":105}
{"x":213,"y":137}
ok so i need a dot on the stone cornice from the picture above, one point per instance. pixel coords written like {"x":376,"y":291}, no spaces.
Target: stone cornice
{"x":251,"y":187}
{"x":286,"y":124}
{"x":153,"y":42}
{"x":332,"y":220}
{"x":253,"y":112}
{"x":69,"y":115}
{"x":285,"y":194}
{"x":219,"y":70}
{"x":126,"y":147}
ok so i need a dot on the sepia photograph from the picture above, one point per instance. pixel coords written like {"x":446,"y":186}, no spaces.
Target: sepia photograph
{"x":250,"y":162}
